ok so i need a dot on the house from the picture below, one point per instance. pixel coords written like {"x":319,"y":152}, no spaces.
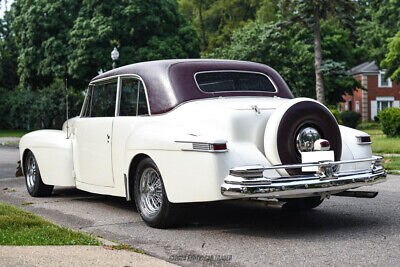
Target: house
{"x":381,"y":93}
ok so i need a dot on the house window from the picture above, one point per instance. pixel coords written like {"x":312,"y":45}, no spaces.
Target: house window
{"x":384,"y":102}
{"x":358,"y":106}
{"x":346,"y":106}
{"x":382,"y":82}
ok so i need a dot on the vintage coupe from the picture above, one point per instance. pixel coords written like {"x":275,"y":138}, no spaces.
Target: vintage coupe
{"x":178,"y":131}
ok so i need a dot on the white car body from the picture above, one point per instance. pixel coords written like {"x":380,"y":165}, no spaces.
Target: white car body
{"x":98,"y":154}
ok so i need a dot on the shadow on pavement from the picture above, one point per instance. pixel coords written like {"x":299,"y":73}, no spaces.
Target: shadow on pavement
{"x":252,"y":218}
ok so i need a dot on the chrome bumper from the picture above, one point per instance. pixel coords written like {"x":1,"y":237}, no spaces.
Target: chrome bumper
{"x":248,"y":181}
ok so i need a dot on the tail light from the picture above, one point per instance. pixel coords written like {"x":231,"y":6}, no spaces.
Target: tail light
{"x":217,"y":146}
{"x":364,"y":140}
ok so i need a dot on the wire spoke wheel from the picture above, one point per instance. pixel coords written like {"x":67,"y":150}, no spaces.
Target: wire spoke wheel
{"x":151,"y":192}
{"x":31,"y":173}
{"x":34,"y":182}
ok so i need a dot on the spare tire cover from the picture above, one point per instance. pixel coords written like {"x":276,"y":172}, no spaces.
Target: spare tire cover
{"x":284,"y":125}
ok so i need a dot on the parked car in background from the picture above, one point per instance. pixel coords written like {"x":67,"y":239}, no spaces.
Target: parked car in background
{"x":177,"y":131}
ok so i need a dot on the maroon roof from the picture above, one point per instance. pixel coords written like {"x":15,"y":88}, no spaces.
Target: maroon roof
{"x":171,"y":82}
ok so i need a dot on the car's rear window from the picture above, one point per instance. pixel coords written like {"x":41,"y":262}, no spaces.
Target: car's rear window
{"x":233,"y":81}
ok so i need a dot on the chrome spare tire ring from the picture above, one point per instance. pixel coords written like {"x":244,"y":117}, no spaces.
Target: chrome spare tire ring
{"x":151,"y":192}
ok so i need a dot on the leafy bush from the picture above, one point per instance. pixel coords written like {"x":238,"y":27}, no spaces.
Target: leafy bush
{"x":390,"y":121}
{"x":368,"y":125}
{"x":45,"y":108}
{"x":350,"y":118}
{"x":336,"y":113}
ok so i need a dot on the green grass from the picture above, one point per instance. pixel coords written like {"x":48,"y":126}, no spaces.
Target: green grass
{"x":368,"y":125}
{"x":382,"y":144}
{"x":392,"y":164}
{"x":374,"y":132}
{"x":12,"y":133}
{"x":18,"y":227}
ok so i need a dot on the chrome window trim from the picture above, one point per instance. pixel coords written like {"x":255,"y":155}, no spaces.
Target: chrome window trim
{"x":242,"y":71}
{"x":118,"y":98}
{"x":90,"y":91}
{"x":120,"y":76}
{"x":85,"y":101}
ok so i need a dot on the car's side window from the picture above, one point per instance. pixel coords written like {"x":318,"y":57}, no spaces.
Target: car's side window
{"x":101,"y":99}
{"x":133,"y":98}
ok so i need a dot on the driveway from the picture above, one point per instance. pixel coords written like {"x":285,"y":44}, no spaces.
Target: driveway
{"x":342,"y":231}
{"x":9,"y":157}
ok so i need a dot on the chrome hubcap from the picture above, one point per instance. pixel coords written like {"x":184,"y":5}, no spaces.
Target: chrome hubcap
{"x":150,"y":191}
{"x":31,"y":173}
{"x":305,"y":139}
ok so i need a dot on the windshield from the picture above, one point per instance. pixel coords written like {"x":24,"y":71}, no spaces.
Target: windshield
{"x":232,"y":81}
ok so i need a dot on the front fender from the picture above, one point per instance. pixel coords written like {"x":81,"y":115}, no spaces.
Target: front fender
{"x":53,"y":153}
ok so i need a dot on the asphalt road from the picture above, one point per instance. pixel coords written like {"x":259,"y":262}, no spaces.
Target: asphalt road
{"x":341,"y":231}
{"x":9,"y":157}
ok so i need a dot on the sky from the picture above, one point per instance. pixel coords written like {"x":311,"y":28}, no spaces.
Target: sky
{"x":3,"y":6}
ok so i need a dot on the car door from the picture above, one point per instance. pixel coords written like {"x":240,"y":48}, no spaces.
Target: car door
{"x":93,"y":132}
{"x":133,"y":111}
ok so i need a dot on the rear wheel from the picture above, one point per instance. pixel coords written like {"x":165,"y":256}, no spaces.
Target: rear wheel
{"x":302,"y":204}
{"x":150,"y":197}
{"x":34,"y":183}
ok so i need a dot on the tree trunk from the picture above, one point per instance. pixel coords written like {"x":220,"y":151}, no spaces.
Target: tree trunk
{"x":319,"y":80}
{"x":203,"y":35}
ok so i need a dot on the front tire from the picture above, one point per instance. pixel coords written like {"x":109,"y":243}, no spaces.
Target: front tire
{"x":150,"y":197}
{"x":34,"y":182}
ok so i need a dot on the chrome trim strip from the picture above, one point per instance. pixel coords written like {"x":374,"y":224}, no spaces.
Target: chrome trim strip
{"x":363,"y":143}
{"x":210,"y":150}
{"x":117,"y":103}
{"x":127,"y":189}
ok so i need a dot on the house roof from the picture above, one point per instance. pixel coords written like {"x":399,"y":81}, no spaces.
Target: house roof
{"x":366,"y":67}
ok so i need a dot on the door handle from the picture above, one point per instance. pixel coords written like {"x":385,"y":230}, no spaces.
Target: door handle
{"x":108,"y":138}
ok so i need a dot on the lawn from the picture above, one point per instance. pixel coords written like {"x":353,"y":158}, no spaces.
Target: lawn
{"x":12,"y":133}
{"x":18,"y":227}
{"x":392,"y":164}
{"x":382,"y":144}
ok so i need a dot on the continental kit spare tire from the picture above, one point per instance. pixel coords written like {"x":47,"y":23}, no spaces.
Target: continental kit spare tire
{"x":288,"y":121}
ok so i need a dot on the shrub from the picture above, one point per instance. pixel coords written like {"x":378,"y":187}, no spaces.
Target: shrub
{"x":336,"y":113}
{"x":390,"y":121}
{"x":44,"y":108}
{"x":368,"y":125}
{"x":350,"y":118}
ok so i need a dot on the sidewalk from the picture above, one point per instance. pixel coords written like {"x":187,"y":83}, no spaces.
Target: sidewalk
{"x":73,"y":256}
{"x":10,"y":141}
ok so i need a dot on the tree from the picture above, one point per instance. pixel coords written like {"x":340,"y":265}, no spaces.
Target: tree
{"x":277,"y":45}
{"x":377,"y":21}
{"x":41,"y":30}
{"x":310,"y":13}
{"x":392,"y":59}
{"x":8,"y":53}
{"x":143,"y":30}
{"x":289,"y":51}
{"x":215,"y":20}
